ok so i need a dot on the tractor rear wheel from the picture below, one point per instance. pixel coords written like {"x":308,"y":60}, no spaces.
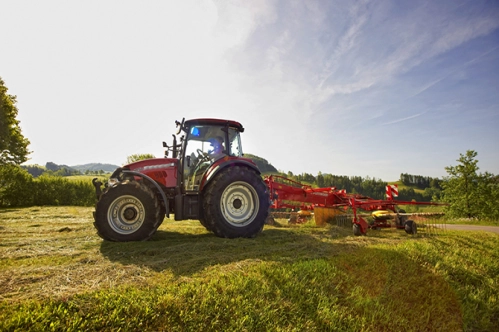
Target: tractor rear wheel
{"x":205,"y":224}
{"x":236,"y":203}
{"x":128,"y":211}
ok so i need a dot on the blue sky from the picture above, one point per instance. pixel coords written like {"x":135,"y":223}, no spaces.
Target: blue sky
{"x":368,"y":88}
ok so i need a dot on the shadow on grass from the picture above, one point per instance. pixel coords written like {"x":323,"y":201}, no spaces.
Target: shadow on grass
{"x":395,"y":292}
{"x":334,"y":284}
{"x":184,"y":254}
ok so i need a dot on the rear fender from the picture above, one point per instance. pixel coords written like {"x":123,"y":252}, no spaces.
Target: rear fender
{"x":221,"y":165}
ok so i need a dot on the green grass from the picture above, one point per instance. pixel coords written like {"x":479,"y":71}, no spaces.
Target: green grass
{"x":56,"y":274}
{"x":88,"y":178}
{"x":472,"y":221}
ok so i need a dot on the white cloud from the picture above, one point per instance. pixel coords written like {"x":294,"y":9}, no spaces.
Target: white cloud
{"x":404,"y":119}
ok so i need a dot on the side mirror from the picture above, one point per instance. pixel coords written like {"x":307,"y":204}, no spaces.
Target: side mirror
{"x":180,"y":125}
{"x":166,"y":147}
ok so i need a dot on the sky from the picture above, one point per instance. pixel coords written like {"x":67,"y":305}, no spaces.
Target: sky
{"x":358,"y":88}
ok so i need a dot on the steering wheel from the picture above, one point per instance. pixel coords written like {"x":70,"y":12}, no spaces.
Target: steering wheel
{"x":202,"y":155}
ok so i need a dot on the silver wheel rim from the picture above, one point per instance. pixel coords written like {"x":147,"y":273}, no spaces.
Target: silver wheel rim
{"x":126,"y":214}
{"x":239,"y":204}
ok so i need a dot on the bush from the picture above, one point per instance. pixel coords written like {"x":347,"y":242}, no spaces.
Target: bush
{"x":18,"y":188}
{"x":15,"y":186}
{"x":55,"y":190}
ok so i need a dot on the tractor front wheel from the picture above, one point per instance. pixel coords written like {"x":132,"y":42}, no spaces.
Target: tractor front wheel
{"x":128,"y":211}
{"x":236,"y":203}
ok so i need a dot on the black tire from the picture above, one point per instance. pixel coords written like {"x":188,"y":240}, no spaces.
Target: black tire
{"x":205,"y":224}
{"x":129,"y":211}
{"x":356,"y":230}
{"x":402,"y":219}
{"x":410,"y":227}
{"x":236,"y":203}
{"x":162,"y":213}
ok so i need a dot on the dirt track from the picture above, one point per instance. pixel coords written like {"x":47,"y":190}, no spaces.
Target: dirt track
{"x":494,"y":229}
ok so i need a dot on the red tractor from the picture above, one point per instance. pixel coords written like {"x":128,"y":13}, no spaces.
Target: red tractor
{"x":206,"y":179}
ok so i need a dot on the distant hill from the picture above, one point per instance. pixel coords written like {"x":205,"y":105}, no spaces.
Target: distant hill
{"x":95,"y":167}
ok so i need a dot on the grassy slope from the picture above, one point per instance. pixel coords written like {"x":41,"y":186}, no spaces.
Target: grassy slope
{"x":403,"y":186}
{"x":56,"y":274}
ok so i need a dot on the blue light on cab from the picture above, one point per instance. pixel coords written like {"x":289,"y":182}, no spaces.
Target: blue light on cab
{"x":195,"y":131}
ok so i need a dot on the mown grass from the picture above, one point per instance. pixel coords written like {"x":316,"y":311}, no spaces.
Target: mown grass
{"x":56,"y":274}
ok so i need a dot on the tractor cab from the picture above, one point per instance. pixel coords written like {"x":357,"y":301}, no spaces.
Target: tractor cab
{"x":207,"y":142}
{"x":209,"y":147}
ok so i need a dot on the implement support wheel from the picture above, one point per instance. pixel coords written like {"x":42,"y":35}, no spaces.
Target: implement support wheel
{"x":356,"y":230}
{"x":410,"y":227}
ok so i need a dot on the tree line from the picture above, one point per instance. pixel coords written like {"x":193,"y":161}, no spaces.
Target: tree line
{"x":420,"y":182}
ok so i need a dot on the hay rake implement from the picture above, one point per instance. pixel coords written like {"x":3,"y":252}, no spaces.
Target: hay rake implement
{"x":331,"y":204}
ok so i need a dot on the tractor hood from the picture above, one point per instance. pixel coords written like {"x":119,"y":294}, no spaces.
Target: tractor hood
{"x":147,"y":165}
{"x":161,"y":170}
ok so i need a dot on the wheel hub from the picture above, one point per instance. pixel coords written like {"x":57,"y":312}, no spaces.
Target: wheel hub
{"x":239,"y":204}
{"x":130,"y":213}
{"x":126,"y":214}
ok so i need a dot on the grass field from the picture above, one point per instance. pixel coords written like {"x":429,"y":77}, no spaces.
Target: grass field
{"x":88,"y":178}
{"x":57,"y":275}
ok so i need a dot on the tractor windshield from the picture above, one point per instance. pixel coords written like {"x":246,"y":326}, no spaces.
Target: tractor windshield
{"x":204,"y":145}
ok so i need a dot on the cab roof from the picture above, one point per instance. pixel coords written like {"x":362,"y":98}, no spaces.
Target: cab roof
{"x":214,"y":122}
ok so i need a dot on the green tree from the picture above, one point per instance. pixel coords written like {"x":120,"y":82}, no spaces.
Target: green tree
{"x":136,"y":157}
{"x":13,"y":145}
{"x":469,"y":193}
{"x":320,"y":180}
